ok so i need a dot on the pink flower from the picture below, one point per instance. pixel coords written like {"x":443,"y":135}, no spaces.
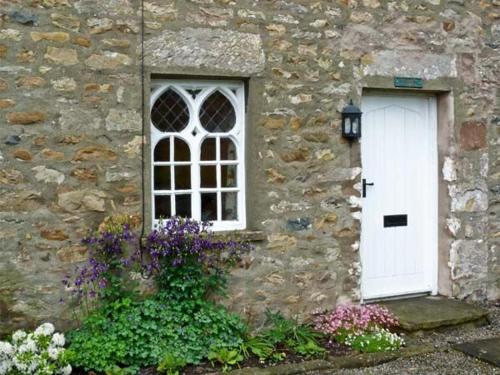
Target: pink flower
{"x":349,"y":317}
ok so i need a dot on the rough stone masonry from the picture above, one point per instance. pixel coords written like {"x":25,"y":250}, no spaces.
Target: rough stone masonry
{"x":70,"y":131}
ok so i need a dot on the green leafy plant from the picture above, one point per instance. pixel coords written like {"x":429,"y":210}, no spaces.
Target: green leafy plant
{"x":258,"y":345}
{"x":227,"y":357}
{"x":309,"y":349}
{"x":301,"y":338}
{"x":117,"y":370}
{"x":281,"y":336}
{"x":138,"y":333}
{"x":171,"y":364}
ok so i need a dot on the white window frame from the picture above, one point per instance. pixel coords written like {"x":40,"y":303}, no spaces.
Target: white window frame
{"x":235,"y":92}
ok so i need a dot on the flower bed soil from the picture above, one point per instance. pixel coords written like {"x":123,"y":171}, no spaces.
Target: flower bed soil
{"x":332,"y":348}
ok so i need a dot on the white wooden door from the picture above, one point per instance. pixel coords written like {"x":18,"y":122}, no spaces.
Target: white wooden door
{"x":399,"y":220}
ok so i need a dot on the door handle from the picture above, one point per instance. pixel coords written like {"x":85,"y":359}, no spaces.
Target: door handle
{"x":365,"y":184}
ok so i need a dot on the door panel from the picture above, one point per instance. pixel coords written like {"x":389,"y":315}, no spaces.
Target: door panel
{"x":399,"y":155}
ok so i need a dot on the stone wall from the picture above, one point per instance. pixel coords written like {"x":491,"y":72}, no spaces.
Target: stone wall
{"x":70,"y":130}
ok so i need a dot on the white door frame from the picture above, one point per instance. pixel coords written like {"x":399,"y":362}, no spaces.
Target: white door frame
{"x":431,"y":260}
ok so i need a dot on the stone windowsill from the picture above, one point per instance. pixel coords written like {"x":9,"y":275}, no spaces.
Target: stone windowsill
{"x":238,"y":235}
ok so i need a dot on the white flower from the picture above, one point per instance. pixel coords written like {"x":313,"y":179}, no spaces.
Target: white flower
{"x":6,"y":350}
{"x":19,"y":365}
{"x":58,"y":339}
{"x":27,"y":346}
{"x":33,"y":366}
{"x":46,"y":329}
{"x":66,"y":370}
{"x":18,"y":336}
{"x":53,"y":352}
{"x":5,"y":366}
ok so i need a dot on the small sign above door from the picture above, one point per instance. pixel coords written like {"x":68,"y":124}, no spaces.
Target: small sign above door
{"x":408,"y":82}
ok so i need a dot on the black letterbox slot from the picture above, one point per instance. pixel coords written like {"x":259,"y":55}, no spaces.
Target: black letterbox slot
{"x":395,"y":221}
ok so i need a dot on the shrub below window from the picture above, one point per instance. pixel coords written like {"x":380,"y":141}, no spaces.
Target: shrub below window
{"x":188,"y":265}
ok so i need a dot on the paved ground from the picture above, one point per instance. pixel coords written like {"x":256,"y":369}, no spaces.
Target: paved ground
{"x":440,"y":363}
{"x":424,"y":313}
{"x":487,"y":350}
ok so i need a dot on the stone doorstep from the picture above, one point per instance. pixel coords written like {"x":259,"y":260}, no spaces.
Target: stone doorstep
{"x":487,"y":350}
{"x":336,"y":363}
{"x":433,"y":312}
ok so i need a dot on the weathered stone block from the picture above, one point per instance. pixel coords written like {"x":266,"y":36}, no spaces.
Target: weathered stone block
{"x":24,"y":17}
{"x":317,"y":136}
{"x":123,"y":120}
{"x":84,"y":174}
{"x":22,"y":154}
{"x":468,"y":198}
{"x":30,"y":82}
{"x":51,"y":36}
{"x":7,"y":103}
{"x":274,"y":123}
{"x":67,"y":22}
{"x":25,"y":118}
{"x":99,"y":25}
{"x":47,"y":153}
{"x":53,"y":234}
{"x":83,"y":200}
{"x":412,"y":64}
{"x":225,"y":50}
{"x":61,"y":56}
{"x":3,"y":85}
{"x":10,"y":176}
{"x":72,"y":254}
{"x":281,"y":242}
{"x":108,"y":60}
{"x":10,"y":34}
{"x":274,"y":176}
{"x":300,"y":154}
{"x":97,"y":152}
{"x":64,"y":84}
{"x":71,"y":120}
{"x":299,"y":224}
{"x":469,"y":259}
{"x":473,"y":135}
{"x":81,"y":41}
{"x":48,"y":175}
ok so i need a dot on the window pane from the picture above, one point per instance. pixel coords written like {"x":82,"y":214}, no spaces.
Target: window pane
{"x":162,"y":178}
{"x":217,"y":113}
{"x":182,"y":177}
{"x":208,"y":149}
{"x":162,"y":150}
{"x":162,"y":206}
{"x":181,"y":150}
{"x":227,"y":149}
{"x":209,"y":206}
{"x":183,"y":205}
{"x":228,"y":175}
{"x":229,"y":206}
{"x":170,"y":112}
{"x":208,"y":176}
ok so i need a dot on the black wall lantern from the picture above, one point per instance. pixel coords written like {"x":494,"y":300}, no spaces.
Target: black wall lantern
{"x":351,"y":122}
